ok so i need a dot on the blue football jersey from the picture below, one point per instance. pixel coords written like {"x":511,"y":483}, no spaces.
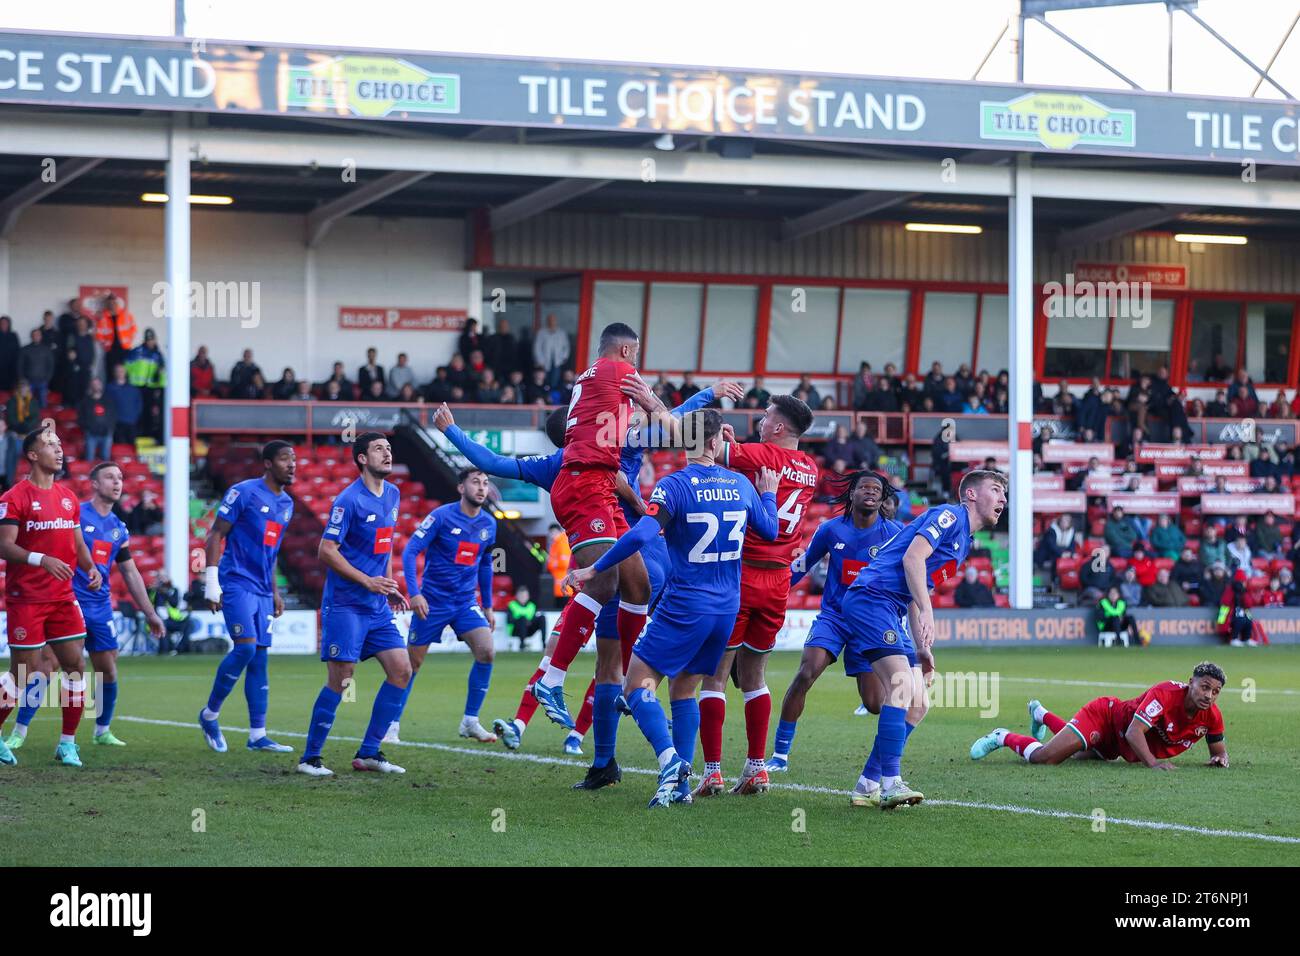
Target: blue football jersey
{"x":105,"y":536}
{"x":362,"y":524}
{"x":639,"y":439}
{"x":946,"y":527}
{"x":540,"y":470}
{"x":457,"y":551}
{"x":258,"y":519}
{"x":851,"y":549}
{"x":710,"y":508}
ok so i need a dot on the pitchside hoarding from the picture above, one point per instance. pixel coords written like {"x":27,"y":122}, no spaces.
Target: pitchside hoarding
{"x":220,"y":76}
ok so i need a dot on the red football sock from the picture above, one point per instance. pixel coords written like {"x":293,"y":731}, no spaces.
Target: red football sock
{"x":579,"y":620}
{"x":1054,"y":724}
{"x":73,"y":703}
{"x":528,"y":703}
{"x":631,"y":621}
{"x":713,"y":713}
{"x":758,"y":713}
{"x":1018,"y":742}
{"x":582,"y":723}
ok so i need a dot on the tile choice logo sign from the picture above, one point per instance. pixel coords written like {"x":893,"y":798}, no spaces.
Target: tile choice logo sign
{"x":1057,"y":121}
{"x":370,"y":86}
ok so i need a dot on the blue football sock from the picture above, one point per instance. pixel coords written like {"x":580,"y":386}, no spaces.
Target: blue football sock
{"x":322,"y":719}
{"x":891,"y":737}
{"x":257,"y":689}
{"x":604,"y":723}
{"x":872,"y":768}
{"x":33,"y":694}
{"x":649,"y":716}
{"x":908,"y":732}
{"x":686,"y":727}
{"x":480,"y":676}
{"x":228,"y":671}
{"x":387,"y":708}
{"x":784,"y":738}
{"x":406,"y":694}
{"x":107,"y":705}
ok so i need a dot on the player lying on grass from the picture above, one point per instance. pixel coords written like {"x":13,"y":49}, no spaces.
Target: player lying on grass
{"x":703,"y":511}
{"x":1151,"y":729}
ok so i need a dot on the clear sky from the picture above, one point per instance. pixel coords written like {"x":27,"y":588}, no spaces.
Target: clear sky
{"x":922,"y":38}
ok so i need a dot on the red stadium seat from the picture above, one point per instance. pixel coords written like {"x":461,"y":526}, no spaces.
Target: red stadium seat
{"x":1001,"y":600}
{"x":1119,"y":564}
{"x":1097,"y":528}
{"x":1166,"y":563}
{"x":1070,"y":580}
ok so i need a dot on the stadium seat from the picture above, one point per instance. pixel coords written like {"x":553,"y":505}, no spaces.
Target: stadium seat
{"x":1119,"y":564}
{"x":1001,"y":600}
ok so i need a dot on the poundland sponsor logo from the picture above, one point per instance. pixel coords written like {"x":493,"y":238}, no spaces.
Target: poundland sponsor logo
{"x":76,"y":909}
{"x":1057,"y":121}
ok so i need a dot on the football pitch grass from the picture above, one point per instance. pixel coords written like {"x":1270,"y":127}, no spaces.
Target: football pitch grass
{"x":167,"y":799}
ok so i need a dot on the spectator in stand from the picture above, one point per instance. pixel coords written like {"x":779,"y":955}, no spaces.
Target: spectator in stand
{"x":22,"y":412}
{"x":98,"y":419}
{"x":489,"y":389}
{"x":1269,"y":487}
{"x":1213,"y":550}
{"x":508,"y":396}
{"x":904,"y":511}
{"x":500,"y":349}
{"x":375,"y":393}
{"x":805,"y":382}
{"x":10,"y":448}
{"x":115,"y":329}
{"x":439,"y":390}
{"x":1242,"y":391}
{"x":287,"y":386}
{"x":935,"y":381}
{"x":9,"y":348}
{"x":1274,"y":595}
{"x":1234,"y":617}
{"x":1196,"y":409}
{"x":839,"y":446}
{"x":1163,"y":592}
{"x":242,"y":372}
{"x":1188,"y":571}
{"x":1214,"y":583}
{"x":146,"y":517}
{"x":36,"y":365}
{"x":866,"y":453}
{"x":558,"y":554}
{"x":1167,"y":538}
{"x":1266,"y":541}
{"x":1144,"y":566}
{"x":864,"y":385}
{"x":407,"y":395}
{"x":974,"y":403}
{"x":82,"y":362}
{"x":1112,"y":615}
{"x":400,"y":375}
{"x":1238,"y":529}
{"x":128,"y":405}
{"x":568,"y":379}
{"x":689,"y":389}
{"x":536,"y":391}
{"x":470,"y":340}
{"x":1133,"y":440}
{"x":1285,"y":460}
{"x":1129,"y":588}
{"x":1219,"y":370}
{"x":1120,"y":534}
{"x":256,"y":388}
{"x":1239,"y":556}
{"x":963,"y":378}
{"x":340,"y":377}
{"x":516,"y":386}
{"x":302,"y":391}
{"x":372,"y":371}
{"x":950,"y":400}
{"x":828,"y":404}
{"x":1280,"y":407}
{"x":1057,"y":540}
{"x":759,"y":393}
{"x":909,"y":392}
{"x":1264,"y":465}
{"x":831,"y":482}
{"x":523,"y":620}
{"x":1096,"y":577}
{"x":1291,"y":594}
{"x":882,"y":398}
{"x":333,"y":391}
{"x":458,"y":374}
{"x":972,"y":592}
{"x":551,"y":350}
{"x":457,"y":395}
{"x":1219,"y":407}
{"x":202,"y":374}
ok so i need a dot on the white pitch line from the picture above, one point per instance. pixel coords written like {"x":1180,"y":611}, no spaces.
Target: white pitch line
{"x":795,"y":787}
{"x":1106,"y":683}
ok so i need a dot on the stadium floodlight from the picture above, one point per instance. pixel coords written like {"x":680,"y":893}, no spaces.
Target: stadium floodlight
{"x":195,"y":200}
{"x":943,"y":227}
{"x":1210,"y":240}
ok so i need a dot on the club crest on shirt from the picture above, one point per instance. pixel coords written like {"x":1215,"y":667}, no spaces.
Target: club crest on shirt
{"x":483,"y":534}
{"x":946,"y":519}
{"x":597,"y":525}
{"x":1200,"y":731}
{"x":334,"y":650}
{"x":874,"y":549}
{"x":891,"y":637}
{"x":117,"y":533}
{"x":1094,"y":738}
{"x":236,"y":629}
{"x":67,"y":504}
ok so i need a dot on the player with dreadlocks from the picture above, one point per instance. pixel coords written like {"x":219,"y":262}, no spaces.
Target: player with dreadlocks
{"x":851,"y":540}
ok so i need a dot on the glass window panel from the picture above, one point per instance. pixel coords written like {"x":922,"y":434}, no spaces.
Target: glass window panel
{"x":948,"y":333}
{"x":1268,"y":340}
{"x":731,"y":312}
{"x":802,"y":333}
{"x":875,"y":328}
{"x":1213,"y":346}
{"x":1076,"y":344}
{"x":1137,"y":347}
{"x":672,"y":338}
{"x":995,"y":317}
{"x":614,"y":302}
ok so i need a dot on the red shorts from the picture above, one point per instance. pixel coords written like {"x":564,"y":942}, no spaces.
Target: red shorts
{"x":763,"y":594}
{"x":587,"y":507}
{"x":1095,"y":728}
{"x":35,"y":625}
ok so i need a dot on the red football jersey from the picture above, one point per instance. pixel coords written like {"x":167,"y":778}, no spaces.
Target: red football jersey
{"x":798,"y":481}
{"x":48,"y":521}
{"x":598,"y":415}
{"x":1172,"y":731}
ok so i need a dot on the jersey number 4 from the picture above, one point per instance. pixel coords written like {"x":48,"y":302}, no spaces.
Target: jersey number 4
{"x":791,"y":512}
{"x":736,"y":534}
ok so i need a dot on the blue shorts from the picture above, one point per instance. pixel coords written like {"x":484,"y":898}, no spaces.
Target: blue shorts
{"x":655,"y":556}
{"x":100,"y":636}
{"x":356,"y":634}
{"x":875,"y":626}
{"x":462,"y":621}
{"x":684,"y":641}
{"x":248,"y":615}
{"x":830,"y":632}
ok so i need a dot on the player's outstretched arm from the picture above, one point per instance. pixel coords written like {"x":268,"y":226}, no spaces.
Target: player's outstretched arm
{"x":641,"y":534}
{"x":761,"y":513}
{"x":1136,"y":735}
{"x":484,"y":459}
{"x":140,"y":595}
{"x":818,"y":548}
{"x":627,"y":493}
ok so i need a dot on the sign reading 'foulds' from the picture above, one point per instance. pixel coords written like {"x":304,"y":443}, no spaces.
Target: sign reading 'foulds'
{"x":1057,"y":121}
{"x":370,"y":86}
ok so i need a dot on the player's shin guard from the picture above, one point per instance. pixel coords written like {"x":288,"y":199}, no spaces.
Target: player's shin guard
{"x":322,"y":719}
{"x":604,"y":723}
{"x":33,"y":695}
{"x":480,"y":677}
{"x":582,"y":723}
{"x":105,"y":706}
{"x":1022,"y":744}
{"x":387,"y":708}
{"x":579,"y":620}
{"x":649,"y":716}
{"x":257,"y":690}
{"x":528,"y":703}
{"x":891,"y":737}
{"x":713,"y":713}
{"x":228,"y":671}
{"x":758,"y":714}
{"x":631,"y":622}
{"x":74,"y":697}
{"x":686,"y":724}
